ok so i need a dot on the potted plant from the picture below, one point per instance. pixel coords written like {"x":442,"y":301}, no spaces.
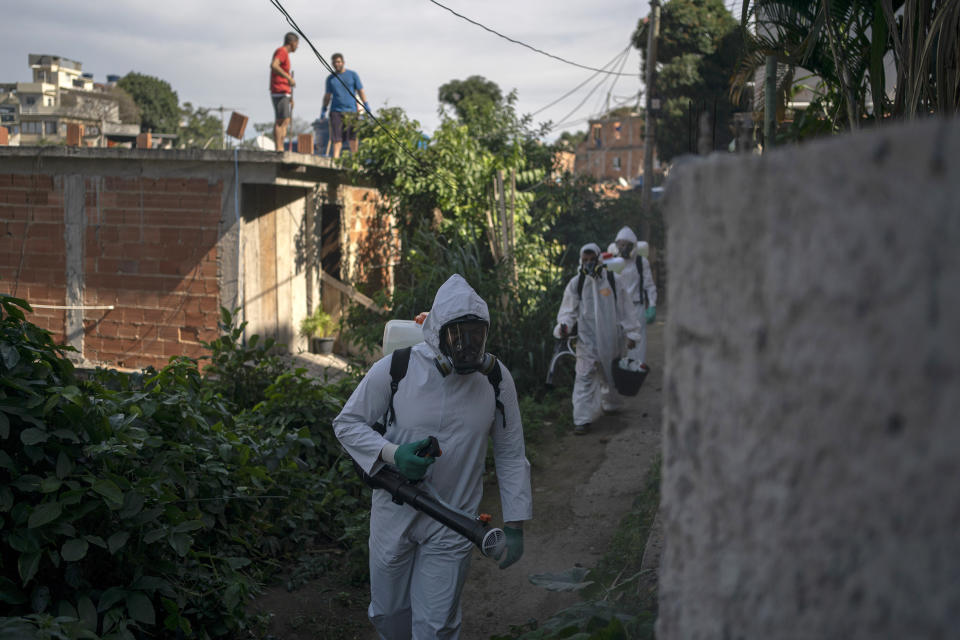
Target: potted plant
{"x":318,"y":328}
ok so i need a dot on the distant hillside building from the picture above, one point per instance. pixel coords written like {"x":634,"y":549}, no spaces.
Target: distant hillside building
{"x":613,"y":149}
{"x":61,"y":93}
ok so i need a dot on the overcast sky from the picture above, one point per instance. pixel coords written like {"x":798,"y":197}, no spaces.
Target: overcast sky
{"x":217,"y":52}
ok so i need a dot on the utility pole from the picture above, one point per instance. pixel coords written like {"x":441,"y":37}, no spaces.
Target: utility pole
{"x":649,"y":133}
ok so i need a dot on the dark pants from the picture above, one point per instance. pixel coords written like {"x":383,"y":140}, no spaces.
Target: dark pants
{"x":340,"y":131}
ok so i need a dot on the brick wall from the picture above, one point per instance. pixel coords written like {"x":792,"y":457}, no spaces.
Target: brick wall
{"x":149,"y":249}
{"x":370,"y":240}
{"x":32,"y":245}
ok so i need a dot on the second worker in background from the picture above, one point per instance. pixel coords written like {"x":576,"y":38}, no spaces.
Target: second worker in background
{"x":342,"y":91}
{"x":596,"y":303}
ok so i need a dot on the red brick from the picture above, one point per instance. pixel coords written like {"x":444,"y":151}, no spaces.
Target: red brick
{"x":160,"y":200}
{"x":125,"y":330}
{"x":117,"y":183}
{"x":74,"y":134}
{"x":36,"y":181}
{"x":128,"y":235}
{"x":237,"y":125}
{"x":168,"y":333}
{"x":153,"y":316}
{"x":149,"y":300}
{"x":108,"y":329}
{"x":132,"y":316}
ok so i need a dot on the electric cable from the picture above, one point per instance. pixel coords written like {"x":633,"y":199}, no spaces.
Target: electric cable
{"x":582,"y":102}
{"x":613,"y":83}
{"x":522,"y":44}
{"x":576,"y":88}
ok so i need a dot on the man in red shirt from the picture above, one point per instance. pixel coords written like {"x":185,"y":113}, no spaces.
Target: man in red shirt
{"x":281,"y":88}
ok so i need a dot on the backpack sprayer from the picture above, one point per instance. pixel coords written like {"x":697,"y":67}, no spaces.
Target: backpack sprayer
{"x":490,"y":540}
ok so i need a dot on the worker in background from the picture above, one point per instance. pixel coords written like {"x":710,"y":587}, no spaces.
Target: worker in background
{"x":637,"y":279}
{"x":597,"y":305}
{"x":281,"y":88}
{"x":417,"y":565}
{"x":343,"y":87}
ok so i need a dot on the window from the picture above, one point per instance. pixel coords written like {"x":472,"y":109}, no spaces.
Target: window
{"x":50,"y":127}
{"x":597,"y":131}
{"x":30,"y":101}
{"x":32,"y":128}
{"x":616,"y":163}
{"x":616,"y":131}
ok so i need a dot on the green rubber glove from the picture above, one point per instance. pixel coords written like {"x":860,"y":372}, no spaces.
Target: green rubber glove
{"x":514,"y":545}
{"x":651,"y":314}
{"x":412,"y":466}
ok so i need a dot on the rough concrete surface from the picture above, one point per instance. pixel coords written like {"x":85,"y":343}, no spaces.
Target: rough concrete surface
{"x":811,"y":481}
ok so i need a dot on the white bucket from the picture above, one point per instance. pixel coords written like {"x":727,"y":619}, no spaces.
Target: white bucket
{"x":399,"y":334}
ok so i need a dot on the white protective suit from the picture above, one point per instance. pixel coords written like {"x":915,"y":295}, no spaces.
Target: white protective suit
{"x":631,"y":282}
{"x":418,"y":566}
{"x":602,"y":321}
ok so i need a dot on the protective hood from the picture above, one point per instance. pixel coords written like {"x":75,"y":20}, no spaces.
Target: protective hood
{"x":627,"y":234}
{"x":454,"y":299}
{"x":590,"y":246}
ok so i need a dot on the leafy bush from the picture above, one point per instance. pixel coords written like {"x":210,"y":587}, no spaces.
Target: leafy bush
{"x":152,"y":504}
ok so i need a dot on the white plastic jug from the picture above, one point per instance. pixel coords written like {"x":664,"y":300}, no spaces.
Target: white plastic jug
{"x":615,"y":264}
{"x":399,"y":334}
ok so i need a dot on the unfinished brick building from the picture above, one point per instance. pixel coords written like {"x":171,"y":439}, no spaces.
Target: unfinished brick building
{"x":127,"y":255}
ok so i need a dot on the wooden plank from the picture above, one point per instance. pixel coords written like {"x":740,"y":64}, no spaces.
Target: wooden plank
{"x":349,"y":291}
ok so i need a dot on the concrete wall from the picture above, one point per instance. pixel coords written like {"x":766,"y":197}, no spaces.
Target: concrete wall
{"x":811,"y":482}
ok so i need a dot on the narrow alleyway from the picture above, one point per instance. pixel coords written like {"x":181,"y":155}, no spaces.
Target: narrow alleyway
{"x":582,"y":487}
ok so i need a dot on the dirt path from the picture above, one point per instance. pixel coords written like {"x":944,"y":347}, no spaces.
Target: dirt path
{"x":583,"y":486}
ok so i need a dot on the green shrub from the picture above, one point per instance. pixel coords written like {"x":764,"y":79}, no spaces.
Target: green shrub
{"x":153,"y":504}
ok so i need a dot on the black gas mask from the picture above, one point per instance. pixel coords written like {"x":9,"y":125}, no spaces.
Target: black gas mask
{"x":625,"y":248}
{"x":590,"y":264}
{"x":463,"y":341}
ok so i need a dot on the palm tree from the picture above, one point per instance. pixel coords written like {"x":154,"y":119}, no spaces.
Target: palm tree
{"x":845,"y":43}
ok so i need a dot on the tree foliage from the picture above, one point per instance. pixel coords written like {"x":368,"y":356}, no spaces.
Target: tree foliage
{"x":467,"y":97}
{"x":440,"y":192}
{"x":129,"y":111}
{"x":157,"y":101}
{"x":200,"y":129}
{"x":846,"y":44}
{"x":699,"y":48}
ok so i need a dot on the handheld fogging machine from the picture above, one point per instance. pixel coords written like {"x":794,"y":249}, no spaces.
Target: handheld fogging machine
{"x":490,"y":540}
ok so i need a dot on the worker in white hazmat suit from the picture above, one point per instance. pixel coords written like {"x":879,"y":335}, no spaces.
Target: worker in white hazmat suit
{"x":596,"y":302}
{"x":417,"y":565}
{"x":638,"y":281}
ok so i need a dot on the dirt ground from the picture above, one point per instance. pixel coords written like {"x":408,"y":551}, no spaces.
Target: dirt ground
{"x":583,"y":485}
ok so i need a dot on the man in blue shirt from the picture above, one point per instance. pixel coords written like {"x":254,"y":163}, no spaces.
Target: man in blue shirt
{"x":342,"y":89}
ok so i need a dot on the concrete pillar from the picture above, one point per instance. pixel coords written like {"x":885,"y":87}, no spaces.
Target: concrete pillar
{"x":75,"y":226}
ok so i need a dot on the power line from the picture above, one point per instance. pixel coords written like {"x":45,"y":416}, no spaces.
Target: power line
{"x":613,"y":84}
{"x":577,"y":88}
{"x":582,"y":102}
{"x":523,"y":44}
